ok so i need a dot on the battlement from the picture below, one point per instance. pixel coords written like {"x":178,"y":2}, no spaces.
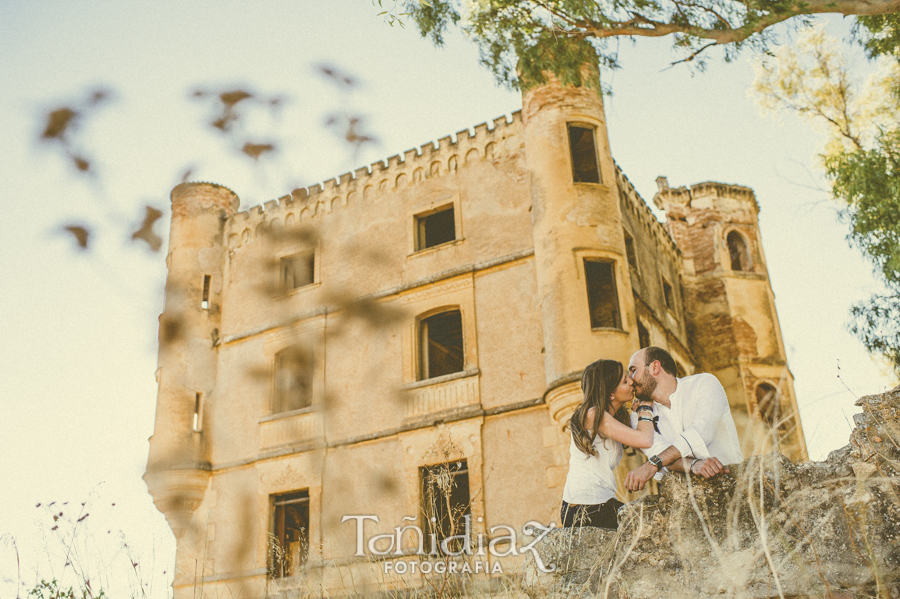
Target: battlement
{"x":632,"y":201}
{"x":709,"y":191}
{"x":375,"y":182}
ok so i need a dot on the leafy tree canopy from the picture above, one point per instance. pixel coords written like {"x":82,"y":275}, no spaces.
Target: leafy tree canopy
{"x":862,"y":155}
{"x":509,"y":33}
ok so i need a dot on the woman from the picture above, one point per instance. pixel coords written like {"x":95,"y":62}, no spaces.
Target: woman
{"x":599,"y":427}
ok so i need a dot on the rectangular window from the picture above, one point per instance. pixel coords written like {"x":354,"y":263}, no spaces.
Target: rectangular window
{"x":441,"y":345}
{"x":630,"y":253}
{"x":603,"y":299}
{"x":293,"y":380}
{"x":435,"y":228}
{"x":445,"y":502}
{"x":198,"y":413}
{"x":289,"y":540}
{"x":583,"y":150}
{"x":204,"y":301}
{"x":298,"y":270}
{"x":643,"y":335}
{"x":668,"y":295}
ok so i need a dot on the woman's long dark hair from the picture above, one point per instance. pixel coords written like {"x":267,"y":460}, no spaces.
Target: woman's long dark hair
{"x":598,"y":383}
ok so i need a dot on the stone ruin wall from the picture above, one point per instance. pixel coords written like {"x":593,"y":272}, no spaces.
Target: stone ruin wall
{"x":731,"y":318}
{"x":768,"y":529}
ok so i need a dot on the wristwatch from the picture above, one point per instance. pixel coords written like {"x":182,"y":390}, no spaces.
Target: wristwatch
{"x":654,"y":459}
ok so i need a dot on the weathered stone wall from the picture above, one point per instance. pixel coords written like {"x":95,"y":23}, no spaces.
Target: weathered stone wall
{"x":657,"y":258}
{"x":770,"y":528}
{"x":730,"y":314}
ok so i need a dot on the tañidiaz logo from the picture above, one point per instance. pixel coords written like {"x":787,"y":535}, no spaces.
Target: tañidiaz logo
{"x":502,"y":543}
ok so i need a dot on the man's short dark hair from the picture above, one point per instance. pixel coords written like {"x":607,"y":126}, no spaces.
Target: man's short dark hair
{"x":652,"y":354}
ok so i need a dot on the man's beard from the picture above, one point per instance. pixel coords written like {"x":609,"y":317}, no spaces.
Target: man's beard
{"x":645,"y":387}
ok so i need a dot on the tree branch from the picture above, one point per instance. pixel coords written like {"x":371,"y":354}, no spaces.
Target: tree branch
{"x":643,"y":26}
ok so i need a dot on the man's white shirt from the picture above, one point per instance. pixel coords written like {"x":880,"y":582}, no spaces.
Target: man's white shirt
{"x":698,"y":423}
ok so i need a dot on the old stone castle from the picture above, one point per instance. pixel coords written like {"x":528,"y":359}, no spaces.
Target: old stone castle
{"x":338,"y":351}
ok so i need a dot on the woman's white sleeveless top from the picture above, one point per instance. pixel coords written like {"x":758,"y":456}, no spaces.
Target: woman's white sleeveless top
{"x":590,"y":480}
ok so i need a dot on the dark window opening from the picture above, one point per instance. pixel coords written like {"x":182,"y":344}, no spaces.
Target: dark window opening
{"x":289,"y":542}
{"x":445,"y":499}
{"x":198,"y":413}
{"x":737,"y":250}
{"x":298,"y":270}
{"x":643,"y":336}
{"x":767,"y":403}
{"x":204,"y":301}
{"x":441,"y":343}
{"x":630,"y":253}
{"x":583,"y":149}
{"x":603,"y":299}
{"x":668,"y":295}
{"x":293,"y":380}
{"x":435,"y":228}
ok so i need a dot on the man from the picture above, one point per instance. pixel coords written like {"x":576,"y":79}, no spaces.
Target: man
{"x":695,"y":433}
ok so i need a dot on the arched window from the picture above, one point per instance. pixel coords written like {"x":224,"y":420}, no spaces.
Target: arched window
{"x":767,"y":403}
{"x":441,"y":345}
{"x":293,"y":380}
{"x":737,"y":249}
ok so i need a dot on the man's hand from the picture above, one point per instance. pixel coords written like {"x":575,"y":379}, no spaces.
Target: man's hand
{"x":707,"y":468}
{"x":637,"y":478}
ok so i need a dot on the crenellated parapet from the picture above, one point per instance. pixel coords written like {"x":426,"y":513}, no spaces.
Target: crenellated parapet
{"x":376,"y":182}
{"x":632,"y":201}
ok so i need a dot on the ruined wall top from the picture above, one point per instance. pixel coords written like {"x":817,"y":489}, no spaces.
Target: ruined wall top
{"x":709,"y":194}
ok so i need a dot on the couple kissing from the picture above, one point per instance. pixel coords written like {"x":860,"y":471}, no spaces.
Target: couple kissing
{"x":680,"y":424}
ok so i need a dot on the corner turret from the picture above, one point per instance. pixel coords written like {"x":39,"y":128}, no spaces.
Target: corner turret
{"x":579,"y":245}
{"x":178,"y":464}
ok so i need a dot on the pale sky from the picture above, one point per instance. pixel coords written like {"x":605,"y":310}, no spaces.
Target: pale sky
{"x":77,"y":389}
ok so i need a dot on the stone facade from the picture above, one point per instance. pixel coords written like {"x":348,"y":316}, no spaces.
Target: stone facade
{"x":518,"y":270}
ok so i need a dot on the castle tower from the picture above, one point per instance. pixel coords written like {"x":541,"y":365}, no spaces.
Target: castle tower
{"x":178,"y":464}
{"x":583,"y":284}
{"x":732,"y":323}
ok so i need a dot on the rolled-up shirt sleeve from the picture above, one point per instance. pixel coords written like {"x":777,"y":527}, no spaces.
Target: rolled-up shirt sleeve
{"x":709,"y":404}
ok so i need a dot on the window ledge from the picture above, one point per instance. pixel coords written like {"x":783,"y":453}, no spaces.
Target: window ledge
{"x":442,"y":379}
{"x":297,"y":290}
{"x":292,"y":582}
{"x":436,"y":247}
{"x":609,"y":330}
{"x":281,"y":415}
{"x":748,"y":274}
